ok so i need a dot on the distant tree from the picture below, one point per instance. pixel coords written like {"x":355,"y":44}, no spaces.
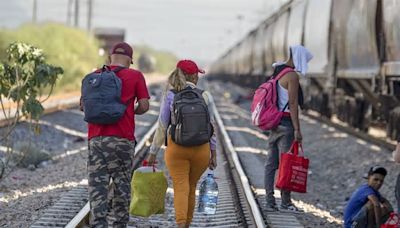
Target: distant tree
{"x":24,"y":77}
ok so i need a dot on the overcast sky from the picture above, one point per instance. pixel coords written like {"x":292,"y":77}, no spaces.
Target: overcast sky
{"x":198,"y":29}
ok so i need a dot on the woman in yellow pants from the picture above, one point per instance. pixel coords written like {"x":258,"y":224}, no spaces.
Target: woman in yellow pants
{"x":186,"y":164}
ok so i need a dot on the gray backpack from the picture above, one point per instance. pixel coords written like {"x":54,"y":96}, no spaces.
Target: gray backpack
{"x":190,"y":120}
{"x":101,"y":96}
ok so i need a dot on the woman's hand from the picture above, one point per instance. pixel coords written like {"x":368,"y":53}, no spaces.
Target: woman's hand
{"x":213,"y":160}
{"x":297,"y":135}
{"x":151,"y":159}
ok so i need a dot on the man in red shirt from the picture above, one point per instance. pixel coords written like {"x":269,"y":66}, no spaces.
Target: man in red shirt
{"x":112,"y":146}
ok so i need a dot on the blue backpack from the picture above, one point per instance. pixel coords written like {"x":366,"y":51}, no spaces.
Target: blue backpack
{"x":101,"y":96}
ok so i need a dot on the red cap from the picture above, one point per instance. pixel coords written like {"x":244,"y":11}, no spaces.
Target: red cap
{"x":122,"y":49}
{"x":189,"y":67}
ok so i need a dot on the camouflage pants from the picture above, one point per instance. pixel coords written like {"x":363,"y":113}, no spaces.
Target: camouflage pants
{"x":109,"y":157}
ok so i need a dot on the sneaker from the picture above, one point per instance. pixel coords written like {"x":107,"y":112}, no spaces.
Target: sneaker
{"x":271,"y":207}
{"x":289,"y":208}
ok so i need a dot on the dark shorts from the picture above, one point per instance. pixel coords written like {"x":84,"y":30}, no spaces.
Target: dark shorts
{"x":360,"y":220}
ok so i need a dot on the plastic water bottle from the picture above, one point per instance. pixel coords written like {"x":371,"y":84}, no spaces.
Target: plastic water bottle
{"x":208,"y":196}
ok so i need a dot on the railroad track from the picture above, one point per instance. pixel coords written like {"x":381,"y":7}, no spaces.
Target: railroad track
{"x":72,"y":210}
{"x":270,"y":219}
{"x":237,"y":118}
{"x":237,"y":206}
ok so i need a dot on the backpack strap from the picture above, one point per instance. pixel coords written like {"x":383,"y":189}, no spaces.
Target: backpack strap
{"x":280,"y":75}
{"x":191,"y":90}
{"x":300,"y":93}
{"x":118,"y":69}
{"x":283,"y":73}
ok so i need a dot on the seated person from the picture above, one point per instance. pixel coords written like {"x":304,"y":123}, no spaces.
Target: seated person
{"x":366,"y":207}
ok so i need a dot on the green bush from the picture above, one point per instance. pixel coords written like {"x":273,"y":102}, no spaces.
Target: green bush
{"x":23,"y":76}
{"x":74,"y":50}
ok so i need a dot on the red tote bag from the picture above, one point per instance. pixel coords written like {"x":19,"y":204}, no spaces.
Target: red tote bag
{"x":392,"y":222}
{"x":293,"y":170}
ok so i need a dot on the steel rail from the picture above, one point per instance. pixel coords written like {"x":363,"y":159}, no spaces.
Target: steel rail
{"x":257,"y":215}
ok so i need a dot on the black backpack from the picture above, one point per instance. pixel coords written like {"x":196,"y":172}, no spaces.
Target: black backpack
{"x":190,"y":119}
{"x":101,"y":96}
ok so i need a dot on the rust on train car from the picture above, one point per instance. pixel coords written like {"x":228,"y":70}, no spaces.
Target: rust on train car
{"x":258,"y":55}
{"x":361,"y":52}
{"x":391,"y":25}
{"x":279,"y":43}
{"x":316,"y":35}
{"x":296,"y":23}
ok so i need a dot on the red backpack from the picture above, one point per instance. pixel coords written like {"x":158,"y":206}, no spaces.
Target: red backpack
{"x":264,"y":108}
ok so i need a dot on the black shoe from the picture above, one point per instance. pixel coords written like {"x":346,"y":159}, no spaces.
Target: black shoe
{"x":271,"y":207}
{"x":289,"y":208}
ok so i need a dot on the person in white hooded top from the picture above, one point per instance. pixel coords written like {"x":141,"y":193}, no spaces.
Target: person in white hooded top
{"x":280,"y":139}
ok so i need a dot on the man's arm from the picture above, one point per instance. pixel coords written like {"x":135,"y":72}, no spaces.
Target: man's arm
{"x":143,"y":106}
{"x":377,"y":209}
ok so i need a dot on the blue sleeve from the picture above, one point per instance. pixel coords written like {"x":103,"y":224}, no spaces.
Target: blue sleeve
{"x":369,"y":191}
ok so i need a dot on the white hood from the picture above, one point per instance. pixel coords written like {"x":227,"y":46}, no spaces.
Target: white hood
{"x":301,"y":56}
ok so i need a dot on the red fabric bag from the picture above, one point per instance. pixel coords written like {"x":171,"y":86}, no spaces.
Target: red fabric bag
{"x":392,"y":222}
{"x":293,"y":170}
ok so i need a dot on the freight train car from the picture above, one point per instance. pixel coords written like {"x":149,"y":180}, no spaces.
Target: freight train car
{"x":355,"y":72}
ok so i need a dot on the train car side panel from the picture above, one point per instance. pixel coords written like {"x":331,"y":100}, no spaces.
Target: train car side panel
{"x":316,"y":35}
{"x":340,"y":16}
{"x":258,"y":51}
{"x":391,"y":22}
{"x":296,"y":24}
{"x":268,"y":50}
{"x":279,"y":38}
{"x":361,"y":49}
